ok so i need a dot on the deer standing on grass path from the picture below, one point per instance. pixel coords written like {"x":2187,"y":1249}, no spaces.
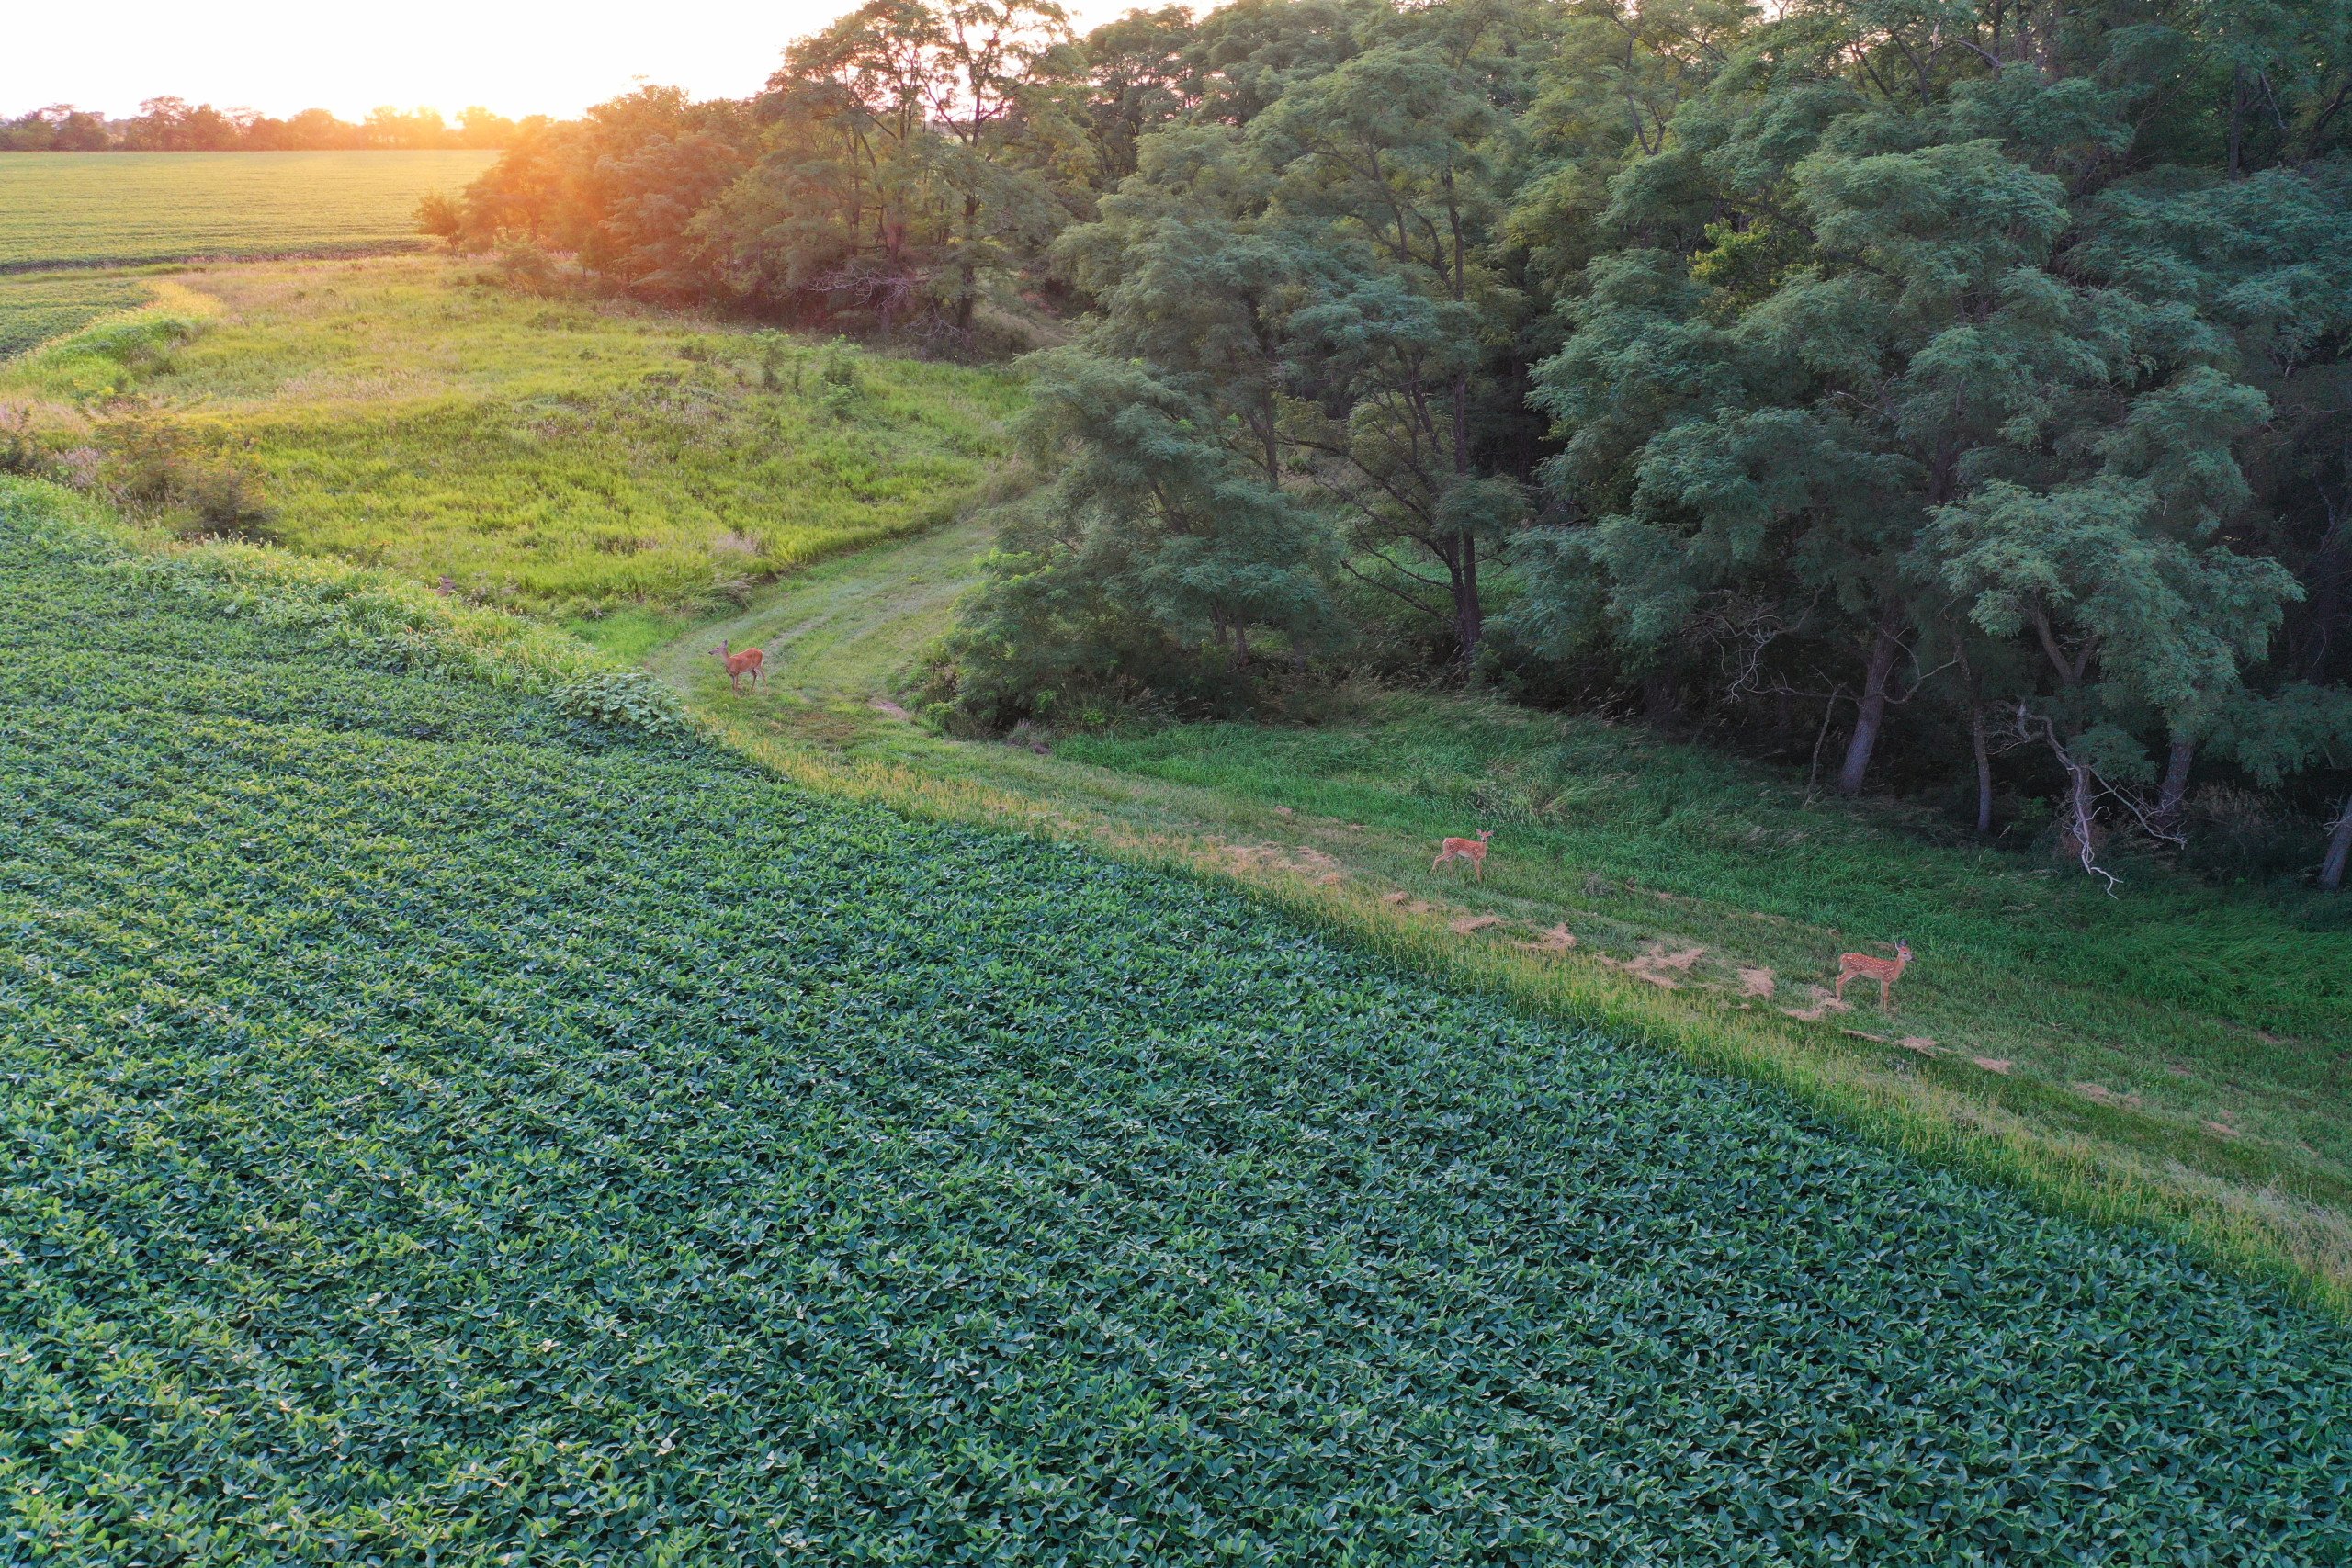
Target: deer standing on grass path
{"x":1472,"y":850}
{"x":1886,"y":971}
{"x":750,"y":661}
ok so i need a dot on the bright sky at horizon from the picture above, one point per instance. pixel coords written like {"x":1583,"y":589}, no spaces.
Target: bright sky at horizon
{"x":283,"y":56}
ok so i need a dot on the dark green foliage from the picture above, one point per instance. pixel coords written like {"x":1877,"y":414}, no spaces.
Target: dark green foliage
{"x":1928,"y":341}
{"x":1964,"y":388}
{"x":1148,"y":563}
{"x":437,"y":1128}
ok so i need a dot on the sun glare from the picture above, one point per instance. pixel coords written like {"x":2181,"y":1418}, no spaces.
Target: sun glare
{"x":281,"y":56}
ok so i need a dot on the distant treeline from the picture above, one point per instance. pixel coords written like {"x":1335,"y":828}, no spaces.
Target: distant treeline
{"x":1955,"y":393}
{"x":171,"y":125}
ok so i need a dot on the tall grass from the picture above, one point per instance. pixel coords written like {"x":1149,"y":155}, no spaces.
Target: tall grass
{"x":549,"y":454}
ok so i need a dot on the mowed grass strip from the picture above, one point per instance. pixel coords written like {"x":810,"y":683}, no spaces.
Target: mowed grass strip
{"x":553,"y":455}
{"x":98,"y":209}
{"x":438,"y":1128}
{"x":2214,"y":1005}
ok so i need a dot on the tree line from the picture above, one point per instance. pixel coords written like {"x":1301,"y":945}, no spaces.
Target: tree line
{"x":173,"y":125}
{"x":1951,"y":394}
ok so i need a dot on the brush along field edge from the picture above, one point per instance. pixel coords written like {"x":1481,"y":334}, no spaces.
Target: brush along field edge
{"x":2264,"y":1232}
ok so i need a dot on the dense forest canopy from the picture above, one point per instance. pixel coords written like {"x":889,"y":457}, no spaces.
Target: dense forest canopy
{"x":1953,"y":393}
{"x":173,"y":125}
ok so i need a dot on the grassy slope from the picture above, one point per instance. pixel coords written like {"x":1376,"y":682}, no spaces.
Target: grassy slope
{"x":2175,"y":1054}
{"x":432,"y":1127}
{"x":93,"y":209}
{"x":554,"y":456}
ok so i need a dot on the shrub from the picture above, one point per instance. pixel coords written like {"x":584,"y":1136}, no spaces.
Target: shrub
{"x":441,"y":215}
{"x":164,"y":471}
{"x":626,"y":700}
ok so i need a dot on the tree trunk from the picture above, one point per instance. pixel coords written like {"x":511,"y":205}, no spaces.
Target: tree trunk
{"x":2340,"y":850}
{"x":1661,"y":703}
{"x":2174,"y":788}
{"x":1469,"y":616}
{"x":2237,"y":119}
{"x":1884,"y":645}
{"x":1979,"y":745}
{"x":968,"y":271}
{"x":2079,"y":842}
{"x":2325,"y":577}
{"x":1984,"y":769}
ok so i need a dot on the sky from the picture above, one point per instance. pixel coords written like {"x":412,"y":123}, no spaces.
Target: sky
{"x":281,"y":56}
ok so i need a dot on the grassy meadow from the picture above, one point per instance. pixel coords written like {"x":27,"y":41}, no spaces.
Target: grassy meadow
{"x":415,"y":414}
{"x":444,"y":1124}
{"x":113,"y":208}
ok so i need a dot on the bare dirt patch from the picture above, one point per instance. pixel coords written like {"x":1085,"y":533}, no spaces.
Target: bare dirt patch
{"x":1664,"y":970}
{"x":1469,"y":923}
{"x":1823,"y":1003}
{"x":1756,"y":982}
{"x":1992,"y":1064}
{"x":1303,"y":860}
{"x":1559,"y":939}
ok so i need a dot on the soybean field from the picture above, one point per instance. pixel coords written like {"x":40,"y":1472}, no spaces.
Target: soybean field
{"x":453,"y":1114}
{"x":113,"y":208}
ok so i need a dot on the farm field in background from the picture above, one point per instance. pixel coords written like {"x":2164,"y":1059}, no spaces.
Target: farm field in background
{"x":441,"y":1124}
{"x":413,"y":414}
{"x":111,"y":208}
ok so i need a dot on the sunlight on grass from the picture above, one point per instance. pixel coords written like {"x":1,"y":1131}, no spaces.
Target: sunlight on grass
{"x":407,"y":414}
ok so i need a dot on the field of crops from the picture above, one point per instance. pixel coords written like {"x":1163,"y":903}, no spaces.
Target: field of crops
{"x":439,"y":1125}
{"x":36,"y":306}
{"x":546,"y":454}
{"x":98,"y":209}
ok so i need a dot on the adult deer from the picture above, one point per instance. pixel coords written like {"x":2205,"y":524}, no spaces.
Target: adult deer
{"x":1471,"y":849}
{"x":751,"y":662}
{"x":1886,"y":971}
